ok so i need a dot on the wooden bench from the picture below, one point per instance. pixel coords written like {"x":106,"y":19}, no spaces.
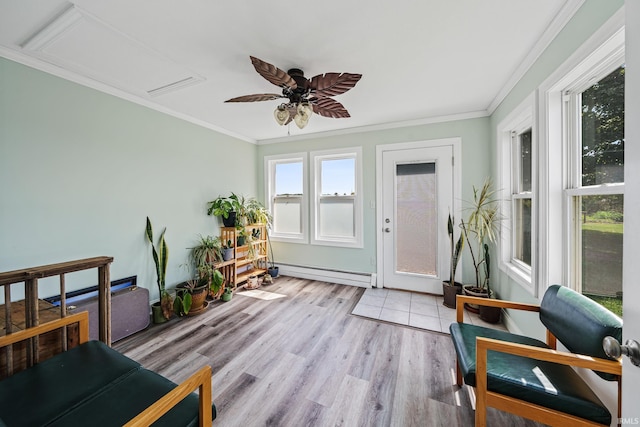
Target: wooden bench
{"x":529,"y":377}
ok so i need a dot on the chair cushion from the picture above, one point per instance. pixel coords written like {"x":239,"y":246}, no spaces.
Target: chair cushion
{"x":546,"y":384}
{"x":122,"y":400}
{"x":35,"y":396}
{"x":464,"y":340}
{"x":579,"y":322}
{"x":91,"y":384}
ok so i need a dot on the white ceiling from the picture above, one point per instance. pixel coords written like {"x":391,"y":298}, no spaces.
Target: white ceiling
{"x":420,"y":60}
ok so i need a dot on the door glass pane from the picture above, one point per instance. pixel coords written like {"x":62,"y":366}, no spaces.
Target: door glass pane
{"x":416,"y":219}
{"x":603,"y":130}
{"x":601,"y":228}
{"x":522,"y":227}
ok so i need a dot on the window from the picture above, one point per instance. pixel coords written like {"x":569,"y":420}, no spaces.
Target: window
{"x":595,"y":185}
{"x":336,"y":211}
{"x":286,"y":196}
{"x":521,"y":198}
{"x":517,"y":181}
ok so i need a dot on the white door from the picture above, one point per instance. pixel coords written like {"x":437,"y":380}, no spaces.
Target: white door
{"x":417,"y":195}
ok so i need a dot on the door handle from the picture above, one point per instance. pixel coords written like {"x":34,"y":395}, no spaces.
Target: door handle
{"x":387,"y":230}
{"x":613,"y":349}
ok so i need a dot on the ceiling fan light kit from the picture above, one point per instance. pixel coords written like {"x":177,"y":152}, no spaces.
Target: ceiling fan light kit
{"x":305,"y":96}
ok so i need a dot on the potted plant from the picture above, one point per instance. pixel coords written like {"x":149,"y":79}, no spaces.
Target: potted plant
{"x":162,"y":309}
{"x":216,"y":284}
{"x":272,"y":268}
{"x":242,"y":235}
{"x":256,"y":213}
{"x":451,"y":288}
{"x":481,"y":229}
{"x":228,"y":294}
{"x":191,"y":296}
{"x":228,"y":208}
{"x":227,"y":250}
{"x":207,"y":251}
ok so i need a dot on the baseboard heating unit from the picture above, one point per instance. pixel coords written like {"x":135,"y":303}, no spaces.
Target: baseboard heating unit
{"x":129,"y":307}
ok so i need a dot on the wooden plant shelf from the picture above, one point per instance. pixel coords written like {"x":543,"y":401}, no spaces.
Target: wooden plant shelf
{"x":254,"y":252}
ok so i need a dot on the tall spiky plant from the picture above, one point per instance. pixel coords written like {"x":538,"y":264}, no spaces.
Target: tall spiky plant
{"x":456,"y":250}
{"x":482,"y":224}
{"x":161,"y":259}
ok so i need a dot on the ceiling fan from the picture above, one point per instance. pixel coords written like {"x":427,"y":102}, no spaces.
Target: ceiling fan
{"x":304,"y":95}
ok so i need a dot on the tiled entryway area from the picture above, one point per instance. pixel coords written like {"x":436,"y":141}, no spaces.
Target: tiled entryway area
{"x":413,"y":309}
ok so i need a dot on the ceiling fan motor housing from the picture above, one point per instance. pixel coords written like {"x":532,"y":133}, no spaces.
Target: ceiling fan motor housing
{"x":298,"y":94}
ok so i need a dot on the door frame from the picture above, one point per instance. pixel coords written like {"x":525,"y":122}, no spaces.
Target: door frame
{"x":456,"y":145}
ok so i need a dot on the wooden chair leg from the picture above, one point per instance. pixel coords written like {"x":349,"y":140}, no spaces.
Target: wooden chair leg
{"x":458,"y":375}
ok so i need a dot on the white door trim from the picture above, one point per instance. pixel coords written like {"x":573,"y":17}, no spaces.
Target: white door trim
{"x":456,"y":144}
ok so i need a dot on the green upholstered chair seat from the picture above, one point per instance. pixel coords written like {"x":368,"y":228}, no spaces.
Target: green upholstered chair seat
{"x":41,"y":393}
{"x":90,"y":385}
{"x":577,"y":322}
{"x":464,"y":340}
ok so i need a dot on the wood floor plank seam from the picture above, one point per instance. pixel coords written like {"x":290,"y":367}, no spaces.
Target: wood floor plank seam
{"x":305,"y":360}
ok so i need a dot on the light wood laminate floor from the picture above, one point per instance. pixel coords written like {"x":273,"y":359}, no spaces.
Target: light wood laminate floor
{"x":304,"y":360}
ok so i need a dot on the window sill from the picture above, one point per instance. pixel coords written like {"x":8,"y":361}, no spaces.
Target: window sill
{"x":519,"y":276}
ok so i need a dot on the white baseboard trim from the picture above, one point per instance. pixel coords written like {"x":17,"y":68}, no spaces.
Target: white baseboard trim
{"x":362,"y":280}
{"x":510,"y":324}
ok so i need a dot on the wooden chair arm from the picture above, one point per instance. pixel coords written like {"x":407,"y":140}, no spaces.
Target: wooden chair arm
{"x":489,"y":302}
{"x":200,"y":380}
{"x":530,"y":410}
{"x":539,"y":353}
{"x":82,"y":319}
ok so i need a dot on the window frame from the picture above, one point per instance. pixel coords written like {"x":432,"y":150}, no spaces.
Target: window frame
{"x":604,"y":48}
{"x":270,"y":163}
{"x":572,"y":142}
{"x":521,"y":119}
{"x":315,"y":159}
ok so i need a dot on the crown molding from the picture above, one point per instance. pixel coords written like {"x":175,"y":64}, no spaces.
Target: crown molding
{"x":49,"y":68}
{"x":563,"y":17}
{"x":380,"y":127}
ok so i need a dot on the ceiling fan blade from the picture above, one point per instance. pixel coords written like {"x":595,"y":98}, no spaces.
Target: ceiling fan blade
{"x":329,"y":107}
{"x":272,"y":73}
{"x":331,"y":84}
{"x":256,"y":97}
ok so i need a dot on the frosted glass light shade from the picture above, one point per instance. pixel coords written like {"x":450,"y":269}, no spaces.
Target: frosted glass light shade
{"x":281,"y":115}
{"x":303,"y":114}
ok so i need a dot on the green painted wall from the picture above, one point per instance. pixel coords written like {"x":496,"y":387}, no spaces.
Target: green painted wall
{"x":80,"y":170}
{"x":591,"y":16}
{"x":475,"y":167}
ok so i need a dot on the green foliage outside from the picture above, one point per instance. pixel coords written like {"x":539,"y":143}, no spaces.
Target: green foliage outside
{"x":612,"y":304}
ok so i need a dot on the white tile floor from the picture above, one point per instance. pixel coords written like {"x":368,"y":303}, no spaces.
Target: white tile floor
{"x":413,"y":309}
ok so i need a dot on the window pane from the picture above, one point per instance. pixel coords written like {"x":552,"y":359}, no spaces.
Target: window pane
{"x":603,"y":130}
{"x":416,"y":219}
{"x":287,"y":214}
{"x":288,"y":178}
{"x":525,"y":161}
{"x":601,"y":228}
{"x":338,"y":176}
{"x":337,"y":216}
{"x":522,"y":227}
